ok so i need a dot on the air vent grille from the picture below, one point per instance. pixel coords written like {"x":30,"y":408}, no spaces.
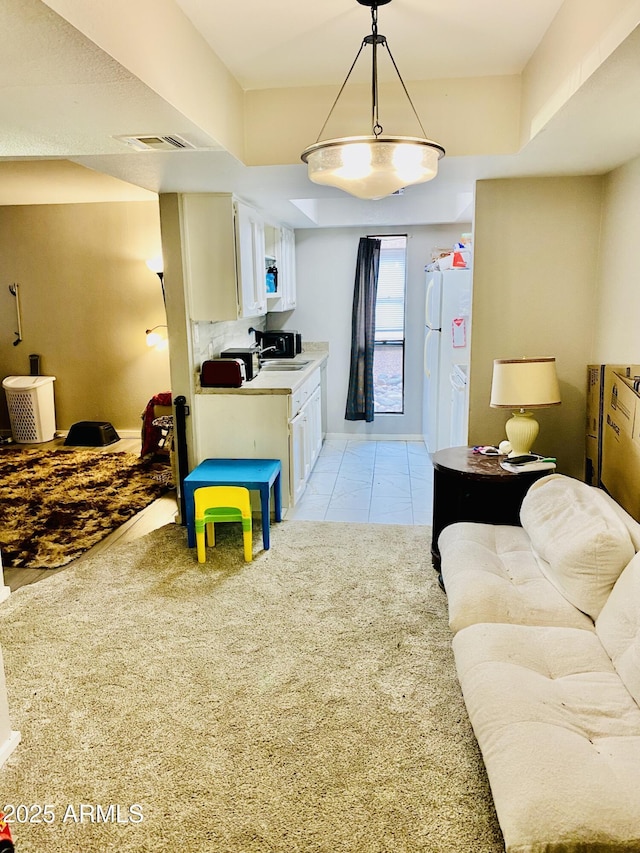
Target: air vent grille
{"x":150,"y":142}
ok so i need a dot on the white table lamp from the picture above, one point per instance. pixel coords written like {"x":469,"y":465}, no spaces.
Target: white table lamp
{"x":520,"y":384}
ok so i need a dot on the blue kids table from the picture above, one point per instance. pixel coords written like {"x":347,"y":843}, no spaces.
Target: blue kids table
{"x":253,"y":474}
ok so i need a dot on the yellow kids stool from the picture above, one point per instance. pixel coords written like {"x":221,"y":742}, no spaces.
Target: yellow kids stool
{"x":221,"y":503}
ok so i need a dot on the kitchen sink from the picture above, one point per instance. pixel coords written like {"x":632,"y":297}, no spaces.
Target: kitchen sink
{"x":277,"y":364}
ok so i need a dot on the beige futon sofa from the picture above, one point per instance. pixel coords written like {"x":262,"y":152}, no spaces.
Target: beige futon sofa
{"x":547,"y":647}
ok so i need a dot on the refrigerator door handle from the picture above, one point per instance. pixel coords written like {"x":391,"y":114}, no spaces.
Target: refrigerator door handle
{"x":425,"y":366}
{"x":427,"y":338}
{"x":427,"y":303}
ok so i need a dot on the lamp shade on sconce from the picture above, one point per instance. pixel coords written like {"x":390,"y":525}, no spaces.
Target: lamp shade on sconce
{"x":156,"y":264}
{"x":157,"y":340}
{"x":521,"y":384}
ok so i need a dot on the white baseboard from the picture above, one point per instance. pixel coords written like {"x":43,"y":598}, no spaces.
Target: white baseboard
{"x":8,"y":746}
{"x":351,"y":436}
{"x":5,"y":592}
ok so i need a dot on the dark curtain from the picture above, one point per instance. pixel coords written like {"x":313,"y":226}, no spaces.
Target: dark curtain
{"x":363,"y":328}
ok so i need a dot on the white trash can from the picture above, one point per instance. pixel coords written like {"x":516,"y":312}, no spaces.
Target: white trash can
{"x":31,"y":408}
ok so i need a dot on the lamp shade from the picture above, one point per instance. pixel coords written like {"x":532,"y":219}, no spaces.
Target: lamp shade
{"x":524,"y":383}
{"x":371,"y":167}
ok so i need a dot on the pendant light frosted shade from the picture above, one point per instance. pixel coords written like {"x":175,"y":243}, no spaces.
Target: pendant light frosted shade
{"x":372,"y":167}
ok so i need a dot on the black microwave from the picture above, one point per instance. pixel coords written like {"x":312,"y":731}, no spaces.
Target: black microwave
{"x":279,"y":343}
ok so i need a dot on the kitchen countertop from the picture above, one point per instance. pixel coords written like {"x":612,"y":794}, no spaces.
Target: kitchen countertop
{"x":275,"y":381}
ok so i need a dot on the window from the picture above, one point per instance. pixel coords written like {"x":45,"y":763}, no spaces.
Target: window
{"x":388,"y":363}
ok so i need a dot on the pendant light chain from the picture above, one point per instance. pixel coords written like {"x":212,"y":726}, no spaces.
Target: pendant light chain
{"x":375,"y":123}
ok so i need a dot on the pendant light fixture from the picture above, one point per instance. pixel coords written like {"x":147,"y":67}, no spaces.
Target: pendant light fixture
{"x":372,"y":167}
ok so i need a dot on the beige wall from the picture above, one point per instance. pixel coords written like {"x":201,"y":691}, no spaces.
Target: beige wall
{"x":468,"y":117}
{"x":583,"y":34}
{"x":87,"y":297}
{"x":536,"y":245}
{"x":617,"y":335}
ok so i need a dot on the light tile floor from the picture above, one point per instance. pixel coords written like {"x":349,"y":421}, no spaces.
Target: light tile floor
{"x":381,"y":482}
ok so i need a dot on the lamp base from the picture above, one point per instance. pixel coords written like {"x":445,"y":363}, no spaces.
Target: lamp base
{"x":522,"y":430}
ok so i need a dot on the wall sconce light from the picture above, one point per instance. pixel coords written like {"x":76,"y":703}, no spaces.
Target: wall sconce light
{"x":157,"y":340}
{"x":156,"y":265}
{"x":523,"y":383}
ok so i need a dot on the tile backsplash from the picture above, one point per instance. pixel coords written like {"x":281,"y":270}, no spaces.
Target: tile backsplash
{"x":209,"y":339}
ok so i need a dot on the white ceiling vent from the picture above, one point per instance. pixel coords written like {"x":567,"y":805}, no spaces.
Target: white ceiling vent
{"x":150,"y":142}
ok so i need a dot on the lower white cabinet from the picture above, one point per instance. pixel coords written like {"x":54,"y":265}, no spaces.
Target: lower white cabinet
{"x":305,"y":441}
{"x":264,"y":426}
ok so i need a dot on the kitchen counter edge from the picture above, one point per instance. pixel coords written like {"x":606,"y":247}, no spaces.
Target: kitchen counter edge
{"x":274,"y":381}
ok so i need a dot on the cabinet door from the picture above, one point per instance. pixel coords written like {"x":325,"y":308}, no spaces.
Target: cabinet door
{"x":298,"y":453}
{"x":250,"y":253}
{"x":288,"y":265}
{"x":314,"y":426}
{"x":305,"y":431}
{"x":208,"y":256}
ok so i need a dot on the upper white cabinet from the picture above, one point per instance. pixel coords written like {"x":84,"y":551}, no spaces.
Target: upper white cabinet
{"x":281,"y":248}
{"x":217,"y":243}
{"x":250,"y":255}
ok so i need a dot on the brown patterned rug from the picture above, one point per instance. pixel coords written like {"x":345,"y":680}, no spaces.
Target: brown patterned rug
{"x":54,"y":505}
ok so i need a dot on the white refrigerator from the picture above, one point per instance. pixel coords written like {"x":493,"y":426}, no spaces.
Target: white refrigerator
{"x":445,"y":395}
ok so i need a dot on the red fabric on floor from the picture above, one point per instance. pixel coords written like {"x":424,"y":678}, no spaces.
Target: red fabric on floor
{"x":151,"y":435}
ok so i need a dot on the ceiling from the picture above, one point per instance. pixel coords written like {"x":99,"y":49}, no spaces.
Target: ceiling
{"x":64,"y":101}
{"x":264,"y":44}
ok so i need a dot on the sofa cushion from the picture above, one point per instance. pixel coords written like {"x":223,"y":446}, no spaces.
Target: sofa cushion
{"x":582,"y":542}
{"x":618,"y":627}
{"x":491,"y":575}
{"x":559,"y":734}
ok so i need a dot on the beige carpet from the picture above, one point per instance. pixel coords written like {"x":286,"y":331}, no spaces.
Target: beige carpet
{"x":303,"y":703}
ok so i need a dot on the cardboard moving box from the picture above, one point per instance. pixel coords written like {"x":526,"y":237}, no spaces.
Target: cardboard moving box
{"x":595,"y":413}
{"x":620,"y":464}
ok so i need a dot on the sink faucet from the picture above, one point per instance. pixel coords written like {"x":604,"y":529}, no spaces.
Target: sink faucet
{"x":266,"y":349}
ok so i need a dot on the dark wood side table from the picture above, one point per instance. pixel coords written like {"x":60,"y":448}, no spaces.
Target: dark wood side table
{"x":469,"y":486}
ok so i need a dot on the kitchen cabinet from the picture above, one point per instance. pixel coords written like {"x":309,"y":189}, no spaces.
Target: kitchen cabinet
{"x":218,"y":245}
{"x":250,"y":255}
{"x":305,"y":442}
{"x":280,"y":247}
{"x":285,"y":426}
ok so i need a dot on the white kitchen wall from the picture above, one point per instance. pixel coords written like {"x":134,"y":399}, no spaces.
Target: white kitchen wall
{"x":325,"y":269}
{"x":209,"y":339}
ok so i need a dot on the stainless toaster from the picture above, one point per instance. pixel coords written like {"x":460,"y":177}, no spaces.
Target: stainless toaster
{"x":250,"y":356}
